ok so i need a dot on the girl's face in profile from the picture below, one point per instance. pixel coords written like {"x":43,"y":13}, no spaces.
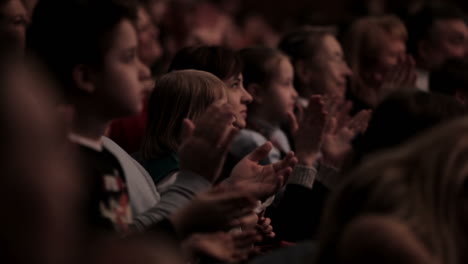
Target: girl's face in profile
{"x":279,"y":98}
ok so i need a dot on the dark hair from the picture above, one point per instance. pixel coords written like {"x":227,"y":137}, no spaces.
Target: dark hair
{"x":420,"y":24}
{"x":221,"y":62}
{"x":450,"y":77}
{"x":403,"y":116}
{"x":303,"y":44}
{"x":67,"y":33}
{"x":260,"y":64}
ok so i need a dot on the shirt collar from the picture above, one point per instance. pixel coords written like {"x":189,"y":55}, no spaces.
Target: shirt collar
{"x":87,"y":142}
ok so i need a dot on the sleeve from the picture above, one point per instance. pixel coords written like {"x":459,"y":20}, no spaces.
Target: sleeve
{"x":297,"y":215}
{"x":178,"y":195}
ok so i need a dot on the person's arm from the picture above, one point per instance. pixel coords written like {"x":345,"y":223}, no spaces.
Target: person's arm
{"x":178,"y":195}
{"x":201,"y":154}
{"x":379,"y":239}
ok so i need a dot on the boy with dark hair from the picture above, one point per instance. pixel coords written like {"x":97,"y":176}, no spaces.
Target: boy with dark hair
{"x":96,"y":63}
{"x":90,"y":47}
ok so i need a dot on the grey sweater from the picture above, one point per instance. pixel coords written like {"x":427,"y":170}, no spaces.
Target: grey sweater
{"x":148,"y":205}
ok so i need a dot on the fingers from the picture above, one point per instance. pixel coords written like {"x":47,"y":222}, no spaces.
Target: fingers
{"x":299,"y":111}
{"x":245,"y":239}
{"x":283,"y":176}
{"x":289,"y":161}
{"x":359,"y":122}
{"x":215,"y":123}
{"x":315,"y":113}
{"x":249,"y":221}
{"x":237,"y":213}
{"x":331,"y":126}
{"x":229,"y":135}
{"x":332,"y":104}
{"x":260,"y":153}
{"x":293,"y":123}
{"x":343,"y":115}
{"x":265,"y":227}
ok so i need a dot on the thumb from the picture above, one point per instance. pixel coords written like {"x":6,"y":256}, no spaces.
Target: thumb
{"x":292,"y":122}
{"x":187,"y":128}
{"x":260,"y":153}
{"x":331,"y":125}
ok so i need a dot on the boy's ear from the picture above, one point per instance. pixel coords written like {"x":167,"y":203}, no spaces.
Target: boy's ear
{"x":256,"y":91}
{"x":82,"y":76}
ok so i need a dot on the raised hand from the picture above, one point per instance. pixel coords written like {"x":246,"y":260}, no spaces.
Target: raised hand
{"x":402,"y":76}
{"x":337,"y":141}
{"x":308,"y":137}
{"x":215,"y":210}
{"x":205,"y":144}
{"x":261,"y":181}
{"x":264,"y":226}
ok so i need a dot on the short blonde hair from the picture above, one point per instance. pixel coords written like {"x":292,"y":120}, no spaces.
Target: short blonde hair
{"x":178,"y":95}
{"x":364,"y":40}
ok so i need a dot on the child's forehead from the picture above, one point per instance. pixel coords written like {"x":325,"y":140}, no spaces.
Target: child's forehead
{"x":124,"y":35}
{"x":281,"y":66}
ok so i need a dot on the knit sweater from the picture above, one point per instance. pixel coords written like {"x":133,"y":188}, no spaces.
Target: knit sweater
{"x":149,"y":205}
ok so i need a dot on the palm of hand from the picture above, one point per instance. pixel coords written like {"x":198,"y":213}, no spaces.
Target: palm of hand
{"x":336,"y":146}
{"x":255,"y":178}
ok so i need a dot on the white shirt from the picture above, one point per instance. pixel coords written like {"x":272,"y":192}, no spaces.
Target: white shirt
{"x":422,"y":81}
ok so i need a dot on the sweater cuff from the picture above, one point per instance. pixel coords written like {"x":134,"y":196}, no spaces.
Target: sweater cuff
{"x":304,"y":176}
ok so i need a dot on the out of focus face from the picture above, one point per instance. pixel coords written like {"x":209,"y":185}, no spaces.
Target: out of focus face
{"x":13,"y":24}
{"x":157,"y":10}
{"x":149,"y":48}
{"x":332,"y":70}
{"x":280,"y":97}
{"x":391,"y":54}
{"x":40,"y":171}
{"x":449,"y":39}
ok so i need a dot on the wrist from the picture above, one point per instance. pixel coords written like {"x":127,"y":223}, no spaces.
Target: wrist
{"x":308,"y":160}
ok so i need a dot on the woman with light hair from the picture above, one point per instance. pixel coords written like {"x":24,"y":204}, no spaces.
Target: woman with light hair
{"x":375,"y":48}
{"x":407,"y":205}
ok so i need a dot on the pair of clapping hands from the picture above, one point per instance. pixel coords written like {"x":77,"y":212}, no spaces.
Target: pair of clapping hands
{"x":231,"y":203}
{"x":324,"y":130}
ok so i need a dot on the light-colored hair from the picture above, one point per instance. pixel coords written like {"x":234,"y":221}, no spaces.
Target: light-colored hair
{"x":364,"y":40}
{"x":419,"y":184}
{"x":178,"y":95}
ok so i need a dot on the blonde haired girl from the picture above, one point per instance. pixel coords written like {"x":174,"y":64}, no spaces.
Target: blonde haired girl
{"x":178,"y":95}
